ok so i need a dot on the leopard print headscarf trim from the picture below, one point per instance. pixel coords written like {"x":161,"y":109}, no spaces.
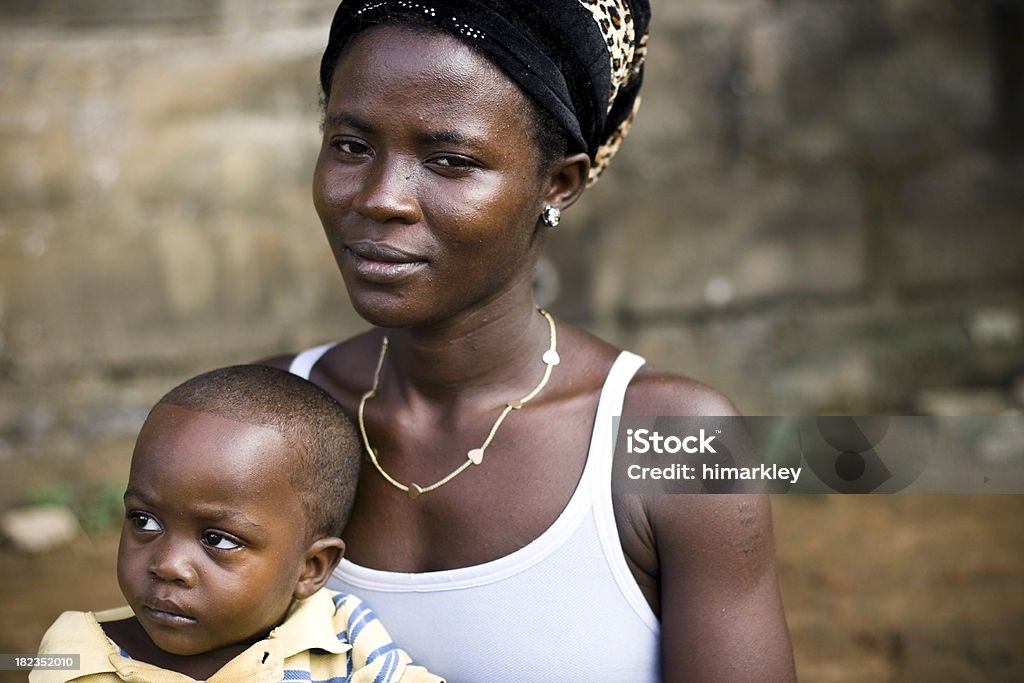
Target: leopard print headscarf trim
{"x":616,"y":23}
{"x":626,"y":55}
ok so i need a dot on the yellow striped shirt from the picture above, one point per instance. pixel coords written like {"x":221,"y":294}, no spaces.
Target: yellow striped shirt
{"x":330,"y":637}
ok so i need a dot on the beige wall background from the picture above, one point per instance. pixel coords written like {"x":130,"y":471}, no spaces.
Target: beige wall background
{"x":821,"y":207}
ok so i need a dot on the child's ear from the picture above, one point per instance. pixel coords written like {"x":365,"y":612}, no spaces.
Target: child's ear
{"x":322,"y":556}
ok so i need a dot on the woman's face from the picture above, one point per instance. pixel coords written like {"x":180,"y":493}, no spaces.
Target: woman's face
{"x":427,"y":182}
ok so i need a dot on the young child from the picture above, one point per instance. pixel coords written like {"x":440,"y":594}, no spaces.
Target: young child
{"x":241,"y":482}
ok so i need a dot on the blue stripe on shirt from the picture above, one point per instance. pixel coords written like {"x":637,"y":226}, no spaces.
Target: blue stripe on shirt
{"x":360,"y":618}
{"x":389,"y":667}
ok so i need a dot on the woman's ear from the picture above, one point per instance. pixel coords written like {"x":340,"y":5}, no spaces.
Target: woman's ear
{"x":566,"y":180}
{"x":322,"y":556}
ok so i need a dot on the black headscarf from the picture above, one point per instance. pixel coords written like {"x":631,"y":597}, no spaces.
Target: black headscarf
{"x":580,"y":60}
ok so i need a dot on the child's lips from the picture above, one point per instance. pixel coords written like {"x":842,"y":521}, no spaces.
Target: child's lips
{"x":166,"y":612}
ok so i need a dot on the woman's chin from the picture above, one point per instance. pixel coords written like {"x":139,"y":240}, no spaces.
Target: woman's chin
{"x":384,"y":310}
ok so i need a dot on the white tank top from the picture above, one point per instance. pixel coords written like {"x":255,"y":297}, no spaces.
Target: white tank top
{"x":563,"y":608}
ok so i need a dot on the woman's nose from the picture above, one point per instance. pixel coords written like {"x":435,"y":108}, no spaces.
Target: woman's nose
{"x":171,"y":561}
{"x":388,"y":191}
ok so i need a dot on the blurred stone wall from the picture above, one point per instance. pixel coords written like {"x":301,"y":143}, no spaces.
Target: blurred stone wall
{"x":820,"y":208}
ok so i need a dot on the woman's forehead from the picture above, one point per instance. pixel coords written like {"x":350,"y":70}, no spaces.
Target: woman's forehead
{"x":397,"y":52}
{"x":421,"y":74}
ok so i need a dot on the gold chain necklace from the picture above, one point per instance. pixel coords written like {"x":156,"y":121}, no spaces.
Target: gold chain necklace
{"x":476,"y":455}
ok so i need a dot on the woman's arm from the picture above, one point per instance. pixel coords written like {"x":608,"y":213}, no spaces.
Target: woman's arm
{"x":721,"y":612}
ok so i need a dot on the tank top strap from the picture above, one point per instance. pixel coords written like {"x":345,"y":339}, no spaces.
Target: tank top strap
{"x":302,"y":364}
{"x":599,"y":464}
{"x":613,"y":393}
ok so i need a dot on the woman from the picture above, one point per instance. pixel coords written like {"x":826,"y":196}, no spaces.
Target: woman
{"x":484,"y":530}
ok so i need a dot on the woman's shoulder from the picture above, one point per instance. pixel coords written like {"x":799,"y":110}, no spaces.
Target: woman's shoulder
{"x":657,"y":391}
{"x":285,"y":358}
{"x":653,"y":390}
{"x":331,"y":363}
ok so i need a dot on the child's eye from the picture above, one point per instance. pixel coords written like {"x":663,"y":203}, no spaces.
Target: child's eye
{"x":220,"y":541}
{"x":144,"y":522}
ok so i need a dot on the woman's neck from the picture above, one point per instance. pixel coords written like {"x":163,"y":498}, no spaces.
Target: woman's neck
{"x":471,"y":354}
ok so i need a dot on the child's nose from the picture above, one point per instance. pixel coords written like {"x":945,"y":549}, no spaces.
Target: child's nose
{"x":172,"y":562}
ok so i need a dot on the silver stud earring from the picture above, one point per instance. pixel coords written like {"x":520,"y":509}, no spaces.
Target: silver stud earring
{"x":551,"y":216}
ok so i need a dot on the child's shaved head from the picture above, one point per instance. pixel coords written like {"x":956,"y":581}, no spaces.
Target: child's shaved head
{"x":325,"y":473}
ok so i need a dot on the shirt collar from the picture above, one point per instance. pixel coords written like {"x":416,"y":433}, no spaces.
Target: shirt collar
{"x":310,"y":625}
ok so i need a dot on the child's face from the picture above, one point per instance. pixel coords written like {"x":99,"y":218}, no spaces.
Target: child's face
{"x":214,"y":538}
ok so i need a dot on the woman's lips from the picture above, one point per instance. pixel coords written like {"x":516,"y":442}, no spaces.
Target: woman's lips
{"x":382,"y":263}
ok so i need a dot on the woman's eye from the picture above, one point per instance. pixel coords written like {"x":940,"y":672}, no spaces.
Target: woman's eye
{"x":452,"y":162}
{"x":144,"y":522}
{"x":350,"y":147}
{"x":220,"y":541}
